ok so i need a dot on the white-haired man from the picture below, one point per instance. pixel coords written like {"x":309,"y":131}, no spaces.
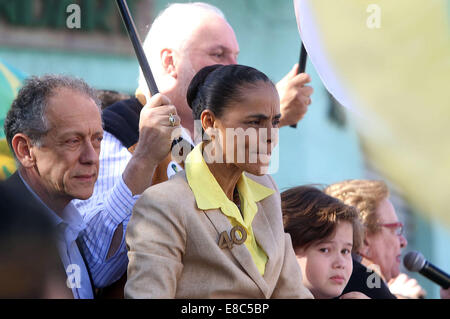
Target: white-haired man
{"x":183,"y":39}
{"x":187,"y":37}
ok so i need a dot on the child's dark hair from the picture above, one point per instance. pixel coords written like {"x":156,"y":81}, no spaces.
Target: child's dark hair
{"x":213,"y":87}
{"x":310,"y":215}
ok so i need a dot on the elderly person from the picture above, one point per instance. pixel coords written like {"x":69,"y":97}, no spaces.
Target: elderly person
{"x":183,"y":38}
{"x":223,"y":237}
{"x":54,"y":128}
{"x":186,"y":37}
{"x":383,"y":240}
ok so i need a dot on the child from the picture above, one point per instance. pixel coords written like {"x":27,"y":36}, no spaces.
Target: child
{"x":324,"y":232}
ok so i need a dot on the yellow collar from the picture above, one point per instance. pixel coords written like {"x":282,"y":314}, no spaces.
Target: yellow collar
{"x":209,"y":195}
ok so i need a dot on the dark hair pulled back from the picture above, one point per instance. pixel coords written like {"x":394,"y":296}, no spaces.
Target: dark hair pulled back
{"x":213,"y":87}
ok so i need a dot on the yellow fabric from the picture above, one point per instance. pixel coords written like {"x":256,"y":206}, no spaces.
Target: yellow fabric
{"x":209,"y":195}
{"x":11,"y":78}
{"x":7,"y":163}
{"x":396,"y":77}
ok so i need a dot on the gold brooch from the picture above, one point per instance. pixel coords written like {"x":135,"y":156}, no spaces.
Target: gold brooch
{"x":226,"y":241}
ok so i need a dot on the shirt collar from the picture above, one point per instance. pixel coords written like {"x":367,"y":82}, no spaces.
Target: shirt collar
{"x":73,"y":221}
{"x":54,"y":218}
{"x":209,"y":195}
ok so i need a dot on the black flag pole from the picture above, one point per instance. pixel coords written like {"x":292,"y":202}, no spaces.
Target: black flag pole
{"x":301,"y":66}
{"x":302,"y":60}
{"x":137,"y":45}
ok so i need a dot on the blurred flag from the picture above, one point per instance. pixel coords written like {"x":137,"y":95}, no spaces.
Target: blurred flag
{"x":7,"y":164}
{"x":389,"y":63}
{"x":10,"y":83}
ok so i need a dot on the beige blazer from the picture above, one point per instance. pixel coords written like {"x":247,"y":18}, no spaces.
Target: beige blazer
{"x":173,"y":249}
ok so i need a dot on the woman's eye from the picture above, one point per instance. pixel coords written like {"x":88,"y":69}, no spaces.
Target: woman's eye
{"x":324,"y":250}
{"x":346,"y":251}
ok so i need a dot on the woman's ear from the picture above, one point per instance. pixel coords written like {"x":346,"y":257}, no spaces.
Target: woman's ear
{"x":168,"y":62}
{"x":364,"y":250}
{"x":208,"y":119}
{"x":23,"y":149}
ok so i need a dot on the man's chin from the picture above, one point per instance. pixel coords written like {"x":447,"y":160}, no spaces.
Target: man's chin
{"x":83,"y":195}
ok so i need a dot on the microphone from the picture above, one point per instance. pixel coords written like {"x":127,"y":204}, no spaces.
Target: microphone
{"x":416,"y":262}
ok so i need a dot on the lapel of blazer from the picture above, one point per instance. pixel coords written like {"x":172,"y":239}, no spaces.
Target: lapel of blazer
{"x":15,"y":183}
{"x":240,"y":252}
{"x":265,"y":238}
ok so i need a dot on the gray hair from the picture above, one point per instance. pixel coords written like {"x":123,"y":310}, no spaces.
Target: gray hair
{"x":171,"y":29}
{"x":28,"y":111}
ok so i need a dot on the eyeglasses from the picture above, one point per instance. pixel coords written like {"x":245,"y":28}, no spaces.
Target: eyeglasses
{"x":398,"y":227}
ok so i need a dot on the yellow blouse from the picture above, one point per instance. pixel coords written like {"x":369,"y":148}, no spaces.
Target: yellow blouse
{"x":209,"y":195}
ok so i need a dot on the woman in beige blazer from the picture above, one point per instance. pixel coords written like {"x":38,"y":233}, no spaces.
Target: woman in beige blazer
{"x":215,"y":230}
